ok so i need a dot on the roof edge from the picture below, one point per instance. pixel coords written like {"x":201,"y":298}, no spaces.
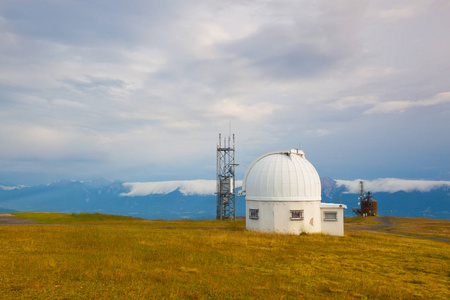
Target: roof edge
{"x":332,"y":205}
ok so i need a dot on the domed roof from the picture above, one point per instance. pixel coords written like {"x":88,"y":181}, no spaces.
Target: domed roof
{"x":283,"y":175}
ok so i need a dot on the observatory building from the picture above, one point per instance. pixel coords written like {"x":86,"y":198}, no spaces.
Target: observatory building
{"x":283,"y":195}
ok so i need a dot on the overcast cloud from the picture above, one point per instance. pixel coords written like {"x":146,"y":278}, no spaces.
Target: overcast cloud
{"x":139,"y":90}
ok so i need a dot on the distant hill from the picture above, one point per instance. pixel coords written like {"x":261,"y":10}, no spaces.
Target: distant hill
{"x":7,"y":210}
{"x":105,"y":197}
{"x":196,"y":199}
{"x":412,"y":199}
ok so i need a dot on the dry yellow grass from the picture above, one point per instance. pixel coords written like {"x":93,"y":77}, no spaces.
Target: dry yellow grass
{"x":214,"y":260}
{"x":424,"y":227}
{"x":362,"y":221}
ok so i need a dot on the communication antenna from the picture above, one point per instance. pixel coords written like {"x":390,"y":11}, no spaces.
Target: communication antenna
{"x":226,"y":178}
{"x":361,"y":189}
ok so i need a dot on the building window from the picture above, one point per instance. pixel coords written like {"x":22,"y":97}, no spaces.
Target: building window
{"x":330,"y":216}
{"x":296,"y":214}
{"x":254,"y":214}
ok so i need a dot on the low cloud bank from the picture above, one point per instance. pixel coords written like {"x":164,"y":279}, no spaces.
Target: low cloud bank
{"x":186,"y":187}
{"x":208,"y":187}
{"x":392,"y":185}
{"x":9,"y":188}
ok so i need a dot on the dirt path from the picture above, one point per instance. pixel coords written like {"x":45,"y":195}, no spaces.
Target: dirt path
{"x":385,"y":224}
{"x":8,"y":219}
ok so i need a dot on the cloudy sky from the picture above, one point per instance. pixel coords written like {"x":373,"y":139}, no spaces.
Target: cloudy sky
{"x":140,"y":90}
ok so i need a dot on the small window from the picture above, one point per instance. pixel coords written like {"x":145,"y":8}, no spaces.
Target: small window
{"x":296,"y":214}
{"x":254,"y":214}
{"x":330,"y":216}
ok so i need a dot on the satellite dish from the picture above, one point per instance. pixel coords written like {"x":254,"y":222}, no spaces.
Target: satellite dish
{"x":231,"y":169}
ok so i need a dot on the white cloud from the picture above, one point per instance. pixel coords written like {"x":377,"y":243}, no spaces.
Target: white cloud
{"x":208,"y":187}
{"x":318,"y":132}
{"x":400,"y":13}
{"x":354,"y":101}
{"x":69,"y":103}
{"x":392,"y":185}
{"x":380,"y":107}
{"x":125,"y":85}
{"x":10,"y":188}
{"x":401,"y":106}
{"x":186,"y":187}
{"x":28,"y":141}
{"x":237,"y":109}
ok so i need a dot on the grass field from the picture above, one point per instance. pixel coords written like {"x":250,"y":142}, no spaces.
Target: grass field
{"x":424,"y":227}
{"x":93,"y":256}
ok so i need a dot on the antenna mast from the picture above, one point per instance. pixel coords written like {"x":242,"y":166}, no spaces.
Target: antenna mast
{"x":361,"y":189}
{"x":226,"y":178}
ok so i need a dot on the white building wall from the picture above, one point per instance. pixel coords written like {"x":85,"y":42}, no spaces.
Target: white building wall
{"x":264,"y":222}
{"x":310,"y":222}
{"x":312,"y":217}
{"x":333,"y":227}
{"x":266,"y":217}
{"x":275,"y":216}
{"x":251,"y":224}
{"x":281,"y":217}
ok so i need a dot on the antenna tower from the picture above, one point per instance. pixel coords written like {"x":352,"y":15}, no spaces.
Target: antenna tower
{"x":225,"y":178}
{"x":361,"y":190}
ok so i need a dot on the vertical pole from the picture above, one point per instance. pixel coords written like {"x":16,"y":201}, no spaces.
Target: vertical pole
{"x":361,"y":187}
{"x":218,"y":177}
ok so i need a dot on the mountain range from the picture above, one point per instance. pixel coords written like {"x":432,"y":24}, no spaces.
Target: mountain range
{"x":196,"y":200}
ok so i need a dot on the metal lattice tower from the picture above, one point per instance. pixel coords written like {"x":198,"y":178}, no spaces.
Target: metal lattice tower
{"x":361,"y":190}
{"x":225,"y":179}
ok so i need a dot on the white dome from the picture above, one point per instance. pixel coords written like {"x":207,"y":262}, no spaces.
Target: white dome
{"x":283,"y":175}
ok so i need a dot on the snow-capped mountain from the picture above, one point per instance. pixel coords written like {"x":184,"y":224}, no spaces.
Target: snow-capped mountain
{"x":195,"y":199}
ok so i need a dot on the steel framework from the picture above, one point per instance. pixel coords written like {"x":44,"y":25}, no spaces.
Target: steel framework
{"x":225,"y":179}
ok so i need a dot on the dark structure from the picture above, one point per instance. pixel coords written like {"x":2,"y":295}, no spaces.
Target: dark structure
{"x":369,"y":205}
{"x":225,"y":179}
